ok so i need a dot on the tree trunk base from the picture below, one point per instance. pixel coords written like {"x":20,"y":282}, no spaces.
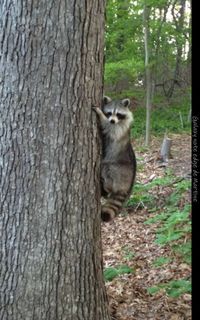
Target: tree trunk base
{"x":165,"y":153}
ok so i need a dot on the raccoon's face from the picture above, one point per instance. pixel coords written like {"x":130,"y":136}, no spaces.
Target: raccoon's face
{"x":116,"y":111}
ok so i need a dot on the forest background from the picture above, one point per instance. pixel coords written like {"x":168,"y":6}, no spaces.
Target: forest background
{"x":148,"y":59}
{"x":168,"y":27}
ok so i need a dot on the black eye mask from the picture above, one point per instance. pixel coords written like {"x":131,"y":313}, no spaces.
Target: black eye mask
{"x":108,"y":114}
{"x":121,"y":116}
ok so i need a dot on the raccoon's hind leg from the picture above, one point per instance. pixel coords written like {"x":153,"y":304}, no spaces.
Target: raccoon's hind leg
{"x":112,"y":206}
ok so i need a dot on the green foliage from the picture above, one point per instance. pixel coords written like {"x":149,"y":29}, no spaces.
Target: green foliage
{"x":128,"y":253}
{"x":184,"y":250}
{"x":110,"y":273}
{"x":163,"y":117}
{"x":138,"y":128}
{"x":153,"y":290}
{"x":173,"y":230}
{"x":169,"y":61}
{"x":160,"y":261}
{"x":145,"y":194}
{"x":125,"y":38}
{"x":141,"y":197}
{"x":124,"y":71}
{"x":174,"y":223}
{"x":173,"y":288}
{"x":180,"y":187}
{"x":122,"y":24}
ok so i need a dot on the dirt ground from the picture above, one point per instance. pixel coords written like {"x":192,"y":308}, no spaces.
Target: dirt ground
{"x":127,"y":293}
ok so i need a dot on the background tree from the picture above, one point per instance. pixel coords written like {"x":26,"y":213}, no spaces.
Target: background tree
{"x":146,"y":15}
{"x":51,"y":68}
{"x":169,"y":28}
{"x":179,"y":24}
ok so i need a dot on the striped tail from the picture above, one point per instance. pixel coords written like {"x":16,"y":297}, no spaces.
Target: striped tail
{"x":112,"y":206}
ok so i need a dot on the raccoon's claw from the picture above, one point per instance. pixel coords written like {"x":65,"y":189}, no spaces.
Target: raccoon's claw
{"x":100,"y":114}
{"x":96,"y":109}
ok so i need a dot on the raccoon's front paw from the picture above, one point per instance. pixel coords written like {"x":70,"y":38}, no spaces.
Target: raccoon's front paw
{"x":96,"y":109}
{"x":100,"y":114}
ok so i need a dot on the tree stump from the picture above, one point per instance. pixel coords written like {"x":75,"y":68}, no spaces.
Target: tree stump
{"x":165,"y":152}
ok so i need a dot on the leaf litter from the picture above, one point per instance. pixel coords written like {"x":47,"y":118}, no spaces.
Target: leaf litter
{"x":129,"y":241}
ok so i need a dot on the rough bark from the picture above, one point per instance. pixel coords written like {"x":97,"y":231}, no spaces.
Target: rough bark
{"x":51,"y":74}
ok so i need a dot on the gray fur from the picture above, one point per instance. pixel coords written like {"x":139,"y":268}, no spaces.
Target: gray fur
{"x":118,"y":165}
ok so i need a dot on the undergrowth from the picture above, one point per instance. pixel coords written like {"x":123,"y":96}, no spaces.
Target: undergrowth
{"x":172,"y":220}
{"x":173,"y":288}
{"x":171,"y":119}
{"x":111,"y":272}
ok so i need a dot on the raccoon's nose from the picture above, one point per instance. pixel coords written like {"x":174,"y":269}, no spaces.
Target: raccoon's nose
{"x":112,"y":121}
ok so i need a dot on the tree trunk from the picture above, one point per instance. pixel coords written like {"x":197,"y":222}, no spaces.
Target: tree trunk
{"x":189,"y":55}
{"x":51,"y":68}
{"x":165,"y":151}
{"x":146,"y":15}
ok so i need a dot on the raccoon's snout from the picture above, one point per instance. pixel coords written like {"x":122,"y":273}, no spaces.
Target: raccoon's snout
{"x":113,"y":119}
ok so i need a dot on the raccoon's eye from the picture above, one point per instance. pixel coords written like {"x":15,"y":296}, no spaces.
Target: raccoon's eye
{"x":108,"y":114}
{"x":121,"y":116}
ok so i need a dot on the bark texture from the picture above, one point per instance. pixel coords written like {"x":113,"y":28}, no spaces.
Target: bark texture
{"x":51,"y":73}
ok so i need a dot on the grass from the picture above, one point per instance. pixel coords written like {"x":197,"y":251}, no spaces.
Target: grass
{"x":141,"y":197}
{"x":163,"y":119}
{"x":184,"y":250}
{"x":173,"y":222}
{"x":146,"y":194}
{"x":173,"y":288}
{"x":160,"y":261}
{"x":112,"y":272}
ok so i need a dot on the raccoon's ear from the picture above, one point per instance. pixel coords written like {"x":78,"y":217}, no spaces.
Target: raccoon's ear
{"x":126,"y":102}
{"x":106,"y":100}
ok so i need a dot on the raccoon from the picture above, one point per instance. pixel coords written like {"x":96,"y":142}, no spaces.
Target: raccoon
{"x":118,"y":165}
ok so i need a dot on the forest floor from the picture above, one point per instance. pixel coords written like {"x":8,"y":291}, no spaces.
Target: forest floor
{"x":129,"y":241}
